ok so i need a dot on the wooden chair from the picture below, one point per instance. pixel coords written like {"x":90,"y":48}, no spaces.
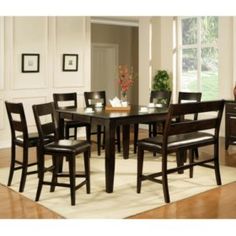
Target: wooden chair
{"x":156,"y":97}
{"x":69,"y":100}
{"x":58,"y":149}
{"x":20,"y":137}
{"x":185,"y":97}
{"x":180,"y":136}
{"x":91,"y":98}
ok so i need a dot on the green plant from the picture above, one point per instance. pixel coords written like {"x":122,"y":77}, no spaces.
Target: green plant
{"x":161,"y":81}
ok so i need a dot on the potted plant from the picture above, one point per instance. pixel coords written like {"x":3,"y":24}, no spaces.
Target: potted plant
{"x":161,"y":81}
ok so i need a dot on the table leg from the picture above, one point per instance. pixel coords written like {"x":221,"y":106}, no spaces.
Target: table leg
{"x":180,"y":156}
{"x":109,"y":155}
{"x":61,"y":128}
{"x":126,"y":139}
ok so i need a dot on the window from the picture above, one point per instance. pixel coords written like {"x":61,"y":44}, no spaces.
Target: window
{"x":198,"y":55}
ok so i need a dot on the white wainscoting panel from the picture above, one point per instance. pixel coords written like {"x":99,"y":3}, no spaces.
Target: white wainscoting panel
{"x":51,"y":37}
{"x":30,"y":35}
{"x":70,"y":39}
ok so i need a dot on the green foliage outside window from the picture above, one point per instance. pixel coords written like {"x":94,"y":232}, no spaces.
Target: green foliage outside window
{"x":200,"y":65}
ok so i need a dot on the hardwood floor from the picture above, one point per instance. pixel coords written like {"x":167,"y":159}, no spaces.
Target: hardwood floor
{"x":216,"y":203}
{"x":15,"y":206}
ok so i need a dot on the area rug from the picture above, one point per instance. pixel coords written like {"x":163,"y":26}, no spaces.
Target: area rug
{"x":124,"y":201}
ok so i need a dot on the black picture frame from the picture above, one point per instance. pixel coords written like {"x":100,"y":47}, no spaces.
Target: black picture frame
{"x":70,"y":62}
{"x":30,"y":62}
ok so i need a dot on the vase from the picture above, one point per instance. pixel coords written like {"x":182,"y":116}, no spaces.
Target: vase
{"x":123,"y":96}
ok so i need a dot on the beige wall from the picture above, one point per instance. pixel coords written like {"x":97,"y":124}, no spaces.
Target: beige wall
{"x":50,"y":37}
{"x":127,"y":40}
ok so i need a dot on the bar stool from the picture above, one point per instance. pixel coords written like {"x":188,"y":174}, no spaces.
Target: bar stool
{"x":57,"y":149}
{"x":23,"y":139}
{"x":69,"y":100}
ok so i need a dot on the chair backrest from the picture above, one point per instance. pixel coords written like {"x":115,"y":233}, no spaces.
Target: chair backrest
{"x":45,"y":118}
{"x":186,"y":97}
{"x":95,"y":96}
{"x":210,"y":122}
{"x":189,"y":97}
{"x":65,"y":100}
{"x":162,"y":97}
{"x":17,"y":120}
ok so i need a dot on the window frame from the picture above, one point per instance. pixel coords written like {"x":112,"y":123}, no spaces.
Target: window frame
{"x":198,"y":45}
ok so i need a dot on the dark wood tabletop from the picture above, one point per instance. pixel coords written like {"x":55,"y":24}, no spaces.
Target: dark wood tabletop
{"x":110,"y":120}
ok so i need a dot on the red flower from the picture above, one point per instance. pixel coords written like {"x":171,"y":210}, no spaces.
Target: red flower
{"x":126,"y":77}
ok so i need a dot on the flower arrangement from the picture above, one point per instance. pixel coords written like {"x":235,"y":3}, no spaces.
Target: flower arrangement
{"x":126,"y":79}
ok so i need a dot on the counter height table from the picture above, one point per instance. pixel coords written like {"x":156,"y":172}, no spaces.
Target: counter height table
{"x":110,"y":120}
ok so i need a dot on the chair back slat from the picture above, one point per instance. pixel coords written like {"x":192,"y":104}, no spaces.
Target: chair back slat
{"x":17,"y":126}
{"x":192,"y":126}
{"x":205,"y":123}
{"x":189,"y":96}
{"x":65,"y":100}
{"x":95,"y":96}
{"x":17,"y":119}
{"x":186,"y":97}
{"x":191,"y":108}
{"x":162,"y":97}
{"x":46,"y":127}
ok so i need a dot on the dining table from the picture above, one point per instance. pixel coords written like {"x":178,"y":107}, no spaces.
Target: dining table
{"x":110,"y":119}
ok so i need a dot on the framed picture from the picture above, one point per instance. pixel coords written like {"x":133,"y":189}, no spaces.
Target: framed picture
{"x":70,"y":62}
{"x":30,"y":63}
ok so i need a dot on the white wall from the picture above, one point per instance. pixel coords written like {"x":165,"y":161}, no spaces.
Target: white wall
{"x":226,"y":62}
{"x":144,"y":60}
{"x":162,"y":44}
{"x":155,"y":51}
{"x":225,"y":44}
{"x":50,"y":37}
{"x":1,"y":71}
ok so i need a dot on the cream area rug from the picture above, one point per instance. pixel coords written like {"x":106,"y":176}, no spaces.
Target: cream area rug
{"x":124,"y":201}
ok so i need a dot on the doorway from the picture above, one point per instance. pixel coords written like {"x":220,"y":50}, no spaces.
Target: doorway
{"x":113,"y":45}
{"x":104,"y":74}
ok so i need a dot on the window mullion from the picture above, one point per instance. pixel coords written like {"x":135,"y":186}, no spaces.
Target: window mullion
{"x":189,"y":46}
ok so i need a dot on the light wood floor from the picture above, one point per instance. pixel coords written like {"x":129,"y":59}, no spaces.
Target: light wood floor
{"x":15,"y":206}
{"x":216,"y":203}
